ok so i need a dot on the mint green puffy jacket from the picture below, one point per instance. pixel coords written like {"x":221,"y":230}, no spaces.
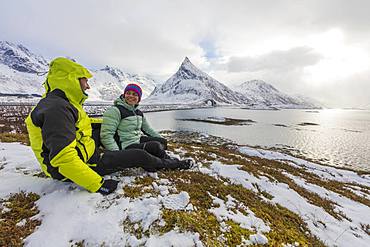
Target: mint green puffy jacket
{"x":130,"y":127}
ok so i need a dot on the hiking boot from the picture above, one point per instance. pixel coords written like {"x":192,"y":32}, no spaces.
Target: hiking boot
{"x":174,"y":163}
{"x":166,"y":156}
{"x":186,"y":164}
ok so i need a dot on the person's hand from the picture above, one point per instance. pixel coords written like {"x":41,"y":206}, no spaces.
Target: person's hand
{"x":108,"y":186}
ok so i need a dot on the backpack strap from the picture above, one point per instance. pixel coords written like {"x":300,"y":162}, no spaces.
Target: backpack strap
{"x":124,"y":113}
{"x":122,"y":110}
{"x":127,"y":113}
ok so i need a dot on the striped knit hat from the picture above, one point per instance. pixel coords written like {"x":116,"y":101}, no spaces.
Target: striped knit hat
{"x":134,"y":87}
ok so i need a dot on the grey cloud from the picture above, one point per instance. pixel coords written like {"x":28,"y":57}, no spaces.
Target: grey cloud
{"x":153,"y":37}
{"x":352,"y":16}
{"x":294,"y":58}
{"x":352,"y":91}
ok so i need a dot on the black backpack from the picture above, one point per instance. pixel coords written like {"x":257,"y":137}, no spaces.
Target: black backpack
{"x":96,"y":127}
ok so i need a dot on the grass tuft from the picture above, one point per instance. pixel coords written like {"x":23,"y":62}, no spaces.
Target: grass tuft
{"x":15,"y":137}
{"x":286,"y":226}
{"x":141,"y":186}
{"x":16,"y":218}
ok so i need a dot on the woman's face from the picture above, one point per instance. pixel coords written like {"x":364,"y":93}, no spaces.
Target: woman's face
{"x":131,"y":97}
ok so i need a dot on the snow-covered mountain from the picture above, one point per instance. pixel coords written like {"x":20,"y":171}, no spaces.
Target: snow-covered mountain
{"x":266,"y":94}
{"x":21,"y":59}
{"x":191,"y":85}
{"x":308,"y":101}
{"x":18,"y":70}
{"x":108,"y":83}
{"x":19,"y":75}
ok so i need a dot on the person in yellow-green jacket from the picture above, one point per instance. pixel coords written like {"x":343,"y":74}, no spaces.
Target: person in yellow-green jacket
{"x":62,"y":138}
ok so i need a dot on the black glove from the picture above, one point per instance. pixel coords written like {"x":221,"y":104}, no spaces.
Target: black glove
{"x":108,"y":186}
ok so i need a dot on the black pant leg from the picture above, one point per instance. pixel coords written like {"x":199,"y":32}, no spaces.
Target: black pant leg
{"x":96,"y":137}
{"x":153,"y":147}
{"x":96,"y":134}
{"x":113,"y":161}
{"x":135,"y":146}
{"x":161,"y":140}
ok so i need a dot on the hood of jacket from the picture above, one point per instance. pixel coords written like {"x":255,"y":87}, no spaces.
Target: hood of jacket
{"x":121,"y":101}
{"x":64,"y":74}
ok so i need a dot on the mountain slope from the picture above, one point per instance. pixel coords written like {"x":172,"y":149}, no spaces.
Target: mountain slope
{"x":18,"y":70}
{"x":19,"y":74}
{"x":108,"y":83}
{"x":191,"y":85}
{"x":15,"y":82}
{"x":265,"y":94}
{"x":21,"y":59}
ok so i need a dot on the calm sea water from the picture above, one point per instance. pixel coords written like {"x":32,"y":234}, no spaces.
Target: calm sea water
{"x":340,"y":138}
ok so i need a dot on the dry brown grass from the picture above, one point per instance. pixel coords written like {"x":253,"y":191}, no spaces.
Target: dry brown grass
{"x":286,"y":226}
{"x":15,"y":137}
{"x":12,"y":125}
{"x":19,"y":206}
{"x":274,"y":170}
{"x":140,"y":187}
{"x":12,"y":118}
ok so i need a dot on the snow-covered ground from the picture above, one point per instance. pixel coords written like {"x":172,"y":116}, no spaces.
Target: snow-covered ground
{"x":71,"y":214}
{"x":332,"y":231}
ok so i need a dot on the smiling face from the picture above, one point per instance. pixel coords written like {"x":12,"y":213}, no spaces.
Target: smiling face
{"x":131,"y":97}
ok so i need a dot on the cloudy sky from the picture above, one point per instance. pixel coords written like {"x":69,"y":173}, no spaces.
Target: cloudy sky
{"x":316,"y":48}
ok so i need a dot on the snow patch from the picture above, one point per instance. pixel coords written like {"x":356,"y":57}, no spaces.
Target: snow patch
{"x":176,"y":201}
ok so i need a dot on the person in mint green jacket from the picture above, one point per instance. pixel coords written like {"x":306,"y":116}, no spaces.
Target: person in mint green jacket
{"x":133,"y":129}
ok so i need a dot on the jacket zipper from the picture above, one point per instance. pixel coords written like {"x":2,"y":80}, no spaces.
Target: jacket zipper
{"x":137,"y":120}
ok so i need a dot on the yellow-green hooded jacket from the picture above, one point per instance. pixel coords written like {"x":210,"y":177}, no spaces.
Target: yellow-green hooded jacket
{"x":60,"y":130}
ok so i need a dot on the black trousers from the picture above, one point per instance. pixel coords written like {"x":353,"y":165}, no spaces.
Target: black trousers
{"x":153,"y":145}
{"x":108,"y":162}
{"x":113,"y":161}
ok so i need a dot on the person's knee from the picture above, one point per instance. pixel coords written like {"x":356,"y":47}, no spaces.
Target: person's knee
{"x":164,"y":143}
{"x":107,"y":158}
{"x":153,"y":147}
{"x":144,"y":156}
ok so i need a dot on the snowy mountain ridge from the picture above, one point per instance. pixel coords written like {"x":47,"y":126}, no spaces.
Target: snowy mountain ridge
{"x":108,"y":83}
{"x":190,"y":85}
{"x":21,"y":59}
{"x":264,"y":93}
{"x":19,"y":70}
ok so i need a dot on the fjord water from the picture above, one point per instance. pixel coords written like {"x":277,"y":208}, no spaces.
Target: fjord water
{"x":334,"y":137}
